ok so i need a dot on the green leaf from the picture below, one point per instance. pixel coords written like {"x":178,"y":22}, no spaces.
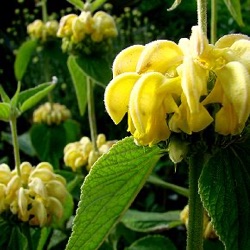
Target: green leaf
{"x":97,"y":4}
{"x":72,"y":129}
{"x":109,"y":189}
{"x":225,"y":192}
{"x":97,"y":68}
{"x":18,"y":240}
{"x":79,"y":79}
{"x":4,"y":96}
{"x":23,"y":58}
{"x":234,"y":7}
{"x":24,"y":142}
{"x":44,"y":234}
{"x":149,"y":221}
{"x":29,"y":98}
{"x":5,"y":230}
{"x":156,"y":242}
{"x":77,"y":3}
{"x":14,"y":99}
{"x":5,"y":112}
{"x":49,"y":142}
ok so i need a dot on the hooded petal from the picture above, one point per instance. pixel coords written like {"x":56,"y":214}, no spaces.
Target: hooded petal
{"x":127,"y":60}
{"x":226,"y":121}
{"x":194,"y":82}
{"x":229,"y":40}
{"x":235,"y":81}
{"x":159,"y":56}
{"x":117,"y":94}
{"x":147,"y":111}
{"x":242,"y":51}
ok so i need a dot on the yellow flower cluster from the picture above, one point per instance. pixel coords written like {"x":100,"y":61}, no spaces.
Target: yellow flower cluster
{"x":36,"y":196}
{"x":100,"y":26}
{"x":42,"y":31}
{"x":87,"y":33}
{"x":208,"y":229}
{"x":82,"y":153}
{"x":184,"y":87}
{"x":51,"y":113}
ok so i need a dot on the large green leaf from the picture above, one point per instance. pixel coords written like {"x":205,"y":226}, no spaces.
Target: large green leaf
{"x":225,"y":192}
{"x":5,"y":112}
{"x":79,"y":79}
{"x":234,"y":7}
{"x":23,"y":58}
{"x":97,"y":68}
{"x":49,"y":142}
{"x":108,"y":191}
{"x":152,"y":242}
{"x":29,"y":98}
{"x":149,"y":221}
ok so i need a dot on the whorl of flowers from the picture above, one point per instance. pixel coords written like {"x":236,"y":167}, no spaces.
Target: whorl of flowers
{"x":51,"y":113}
{"x":36,"y":196}
{"x":79,"y":32}
{"x":43,"y":31}
{"x":166,"y":87}
{"x":81,"y":153}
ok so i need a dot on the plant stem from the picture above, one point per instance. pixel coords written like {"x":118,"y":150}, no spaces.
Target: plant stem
{"x":44,"y":11}
{"x":213,"y":29}
{"x":13,"y":127}
{"x":159,"y":182}
{"x":91,"y":113}
{"x":195,"y":207}
{"x":202,"y":15}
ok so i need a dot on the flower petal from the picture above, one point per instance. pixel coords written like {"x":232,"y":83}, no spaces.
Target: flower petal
{"x":226,"y":121}
{"x":159,"y":56}
{"x":235,"y":81}
{"x":117,"y":94}
{"x":242,"y":49}
{"x":127,"y":60}
{"x":147,"y":111}
{"x":228,"y":40}
{"x":194,"y":82}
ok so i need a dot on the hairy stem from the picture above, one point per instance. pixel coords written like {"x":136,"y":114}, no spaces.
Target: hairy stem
{"x":213,"y":29}
{"x":13,"y":122}
{"x":202,"y":15}
{"x":91,"y":113}
{"x":195,"y":207}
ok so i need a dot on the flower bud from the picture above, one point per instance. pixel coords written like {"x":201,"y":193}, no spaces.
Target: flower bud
{"x":177,"y":150}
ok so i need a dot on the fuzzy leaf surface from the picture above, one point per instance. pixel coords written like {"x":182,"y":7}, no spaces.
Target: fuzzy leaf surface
{"x":108,"y":191}
{"x":224,"y":187}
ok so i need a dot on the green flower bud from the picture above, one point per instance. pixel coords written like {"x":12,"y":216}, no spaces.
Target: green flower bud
{"x":177,"y":150}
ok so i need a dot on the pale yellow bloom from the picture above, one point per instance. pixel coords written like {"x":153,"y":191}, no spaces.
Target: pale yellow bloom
{"x":51,"y":113}
{"x":164,"y":87}
{"x":65,"y":25}
{"x":36,"y":196}
{"x":82,"y":153}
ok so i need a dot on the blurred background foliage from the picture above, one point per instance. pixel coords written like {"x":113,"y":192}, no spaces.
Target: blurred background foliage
{"x":139,"y":22}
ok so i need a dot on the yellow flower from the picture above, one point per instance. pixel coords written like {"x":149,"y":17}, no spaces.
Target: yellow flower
{"x":229,"y":62}
{"x":65,"y":25}
{"x":104,"y":26}
{"x":164,"y":87}
{"x":36,"y":196}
